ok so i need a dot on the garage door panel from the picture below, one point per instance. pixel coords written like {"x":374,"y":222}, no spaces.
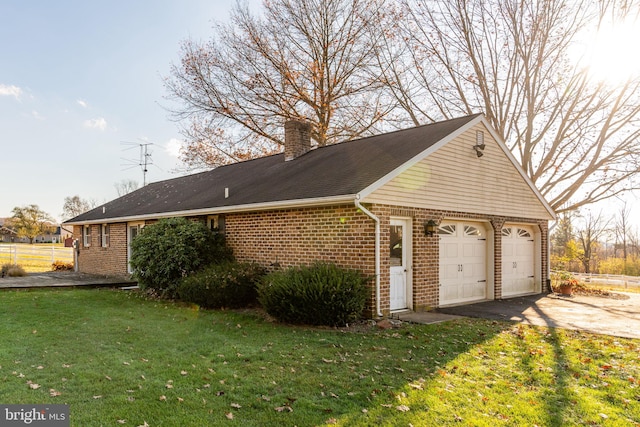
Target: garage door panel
{"x":451,"y":250}
{"x":518,"y":259}
{"x":462,"y":263}
{"x":450,"y":271}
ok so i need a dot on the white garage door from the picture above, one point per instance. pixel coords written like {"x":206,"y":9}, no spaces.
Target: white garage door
{"x":518,"y":245}
{"x":463,"y":262}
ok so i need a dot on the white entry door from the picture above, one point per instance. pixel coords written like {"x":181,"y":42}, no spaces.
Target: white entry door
{"x":133,"y":229}
{"x":463,"y":262}
{"x":399,"y":258}
{"x":518,"y":257}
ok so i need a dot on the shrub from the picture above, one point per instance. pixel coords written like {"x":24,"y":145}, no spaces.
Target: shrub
{"x":165,"y":252}
{"x":228,"y":284}
{"x":12,"y":270}
{"x":62,"y":266}
{"x":320,"y":294}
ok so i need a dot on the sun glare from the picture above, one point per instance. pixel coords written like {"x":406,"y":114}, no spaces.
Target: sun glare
{"x":612,"y":54}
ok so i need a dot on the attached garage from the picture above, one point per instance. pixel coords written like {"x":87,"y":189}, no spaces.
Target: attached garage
{"x":463,"y":262}
{"x":518,"y":260}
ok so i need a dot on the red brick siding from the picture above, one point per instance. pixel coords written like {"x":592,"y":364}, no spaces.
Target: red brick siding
{"x":109,"y":261}
{"x":340,"y":234}
{"x":284,"y":238}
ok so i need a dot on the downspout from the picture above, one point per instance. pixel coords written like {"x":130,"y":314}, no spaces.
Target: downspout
{"x":549,"y":230}
{"x":376,"y":248}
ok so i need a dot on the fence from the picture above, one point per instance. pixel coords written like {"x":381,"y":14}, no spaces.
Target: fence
{"x":617,"y":280}
{"x":35,"y":256}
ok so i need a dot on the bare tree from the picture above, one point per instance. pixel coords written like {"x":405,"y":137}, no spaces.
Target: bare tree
{"x":126,"y":186}
{"x":593,"y":228}
{"x":76,"y":205}
{"x":300,"y":59}
{"x":621,"y":229}
{"x":576,"y":138}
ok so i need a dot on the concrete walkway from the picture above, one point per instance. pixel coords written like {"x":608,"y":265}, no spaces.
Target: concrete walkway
{"x":61,"y":279}
{"x":617,"y":317}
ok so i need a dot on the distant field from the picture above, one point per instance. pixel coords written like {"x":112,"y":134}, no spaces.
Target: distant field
{"x":35,"y":258}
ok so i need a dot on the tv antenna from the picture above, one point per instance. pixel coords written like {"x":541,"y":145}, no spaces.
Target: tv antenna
{"x":145,"y":159}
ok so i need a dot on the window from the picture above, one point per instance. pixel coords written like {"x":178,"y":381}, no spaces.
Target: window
{"x":86,"y":235}
{"x":216,"y":223}
{"x":447,"y":230}
{"x":104,"y":235}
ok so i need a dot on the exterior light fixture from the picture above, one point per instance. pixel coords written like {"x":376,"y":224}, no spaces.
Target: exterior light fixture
{"x":479,"y":149}
{"x":430,"y":227}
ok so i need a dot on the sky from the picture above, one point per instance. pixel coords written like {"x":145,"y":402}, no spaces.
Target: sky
{"x":81,"y":86}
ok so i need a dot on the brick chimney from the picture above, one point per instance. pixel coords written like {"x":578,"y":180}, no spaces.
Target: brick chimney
{"x":297,"y":139}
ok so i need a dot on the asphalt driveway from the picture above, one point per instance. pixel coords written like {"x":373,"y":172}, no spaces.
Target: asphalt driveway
{"x":600,"y":315}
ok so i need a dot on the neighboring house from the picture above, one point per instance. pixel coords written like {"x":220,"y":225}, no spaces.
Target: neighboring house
{"x":9,"y":235}
{"x":439,"y":214}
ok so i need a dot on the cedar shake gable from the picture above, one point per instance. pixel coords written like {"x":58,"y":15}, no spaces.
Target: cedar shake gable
{"x":341,"y":169}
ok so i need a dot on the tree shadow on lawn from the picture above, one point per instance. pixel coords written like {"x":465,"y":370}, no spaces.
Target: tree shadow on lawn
{"x":509,"y":374}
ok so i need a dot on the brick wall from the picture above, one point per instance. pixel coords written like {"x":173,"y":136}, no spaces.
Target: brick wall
{"x":284,"y":238}
{"x":340,"y":234}
{"x":107,"y":261}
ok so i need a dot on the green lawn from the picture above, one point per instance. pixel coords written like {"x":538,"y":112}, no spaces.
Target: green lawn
{"x":118,"y":359}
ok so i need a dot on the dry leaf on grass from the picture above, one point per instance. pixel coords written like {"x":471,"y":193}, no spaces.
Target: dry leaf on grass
{"x":229,"y":415}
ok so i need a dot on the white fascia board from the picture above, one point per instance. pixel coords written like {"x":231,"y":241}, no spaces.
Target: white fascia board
{"x":419,"y":157}
{"x":283,"y":204}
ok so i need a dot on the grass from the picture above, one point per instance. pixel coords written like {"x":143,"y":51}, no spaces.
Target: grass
{"x":117,"y":359}
{"x":36,"y":262}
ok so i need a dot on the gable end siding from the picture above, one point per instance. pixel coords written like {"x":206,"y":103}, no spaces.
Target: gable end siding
{"x":453,"y":178}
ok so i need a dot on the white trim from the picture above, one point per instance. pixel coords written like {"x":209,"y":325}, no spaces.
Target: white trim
{"x":407,"y":258}
{"x":376,"y":251}
{"x":140,"y":225}
{"x":284,"y":204}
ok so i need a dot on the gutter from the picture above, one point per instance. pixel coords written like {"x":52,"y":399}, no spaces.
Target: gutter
{"x":282,"y":204}
{"x":377,"y":250}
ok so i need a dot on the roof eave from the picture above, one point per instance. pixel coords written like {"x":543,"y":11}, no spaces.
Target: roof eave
{"x":281,"y":204}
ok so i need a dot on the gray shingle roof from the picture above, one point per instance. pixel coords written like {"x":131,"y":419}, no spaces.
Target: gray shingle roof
{"x":335,"y":170}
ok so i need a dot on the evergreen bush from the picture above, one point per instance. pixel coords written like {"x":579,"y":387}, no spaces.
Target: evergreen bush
{"x":229,"y":284}
{"x":165,"y":252}
{"x":320,"y":294}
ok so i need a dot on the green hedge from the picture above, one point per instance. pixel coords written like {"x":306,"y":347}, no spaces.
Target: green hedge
{"x":228,"y":284}
{"x":320,"y":294}
{"x":165,"y":252}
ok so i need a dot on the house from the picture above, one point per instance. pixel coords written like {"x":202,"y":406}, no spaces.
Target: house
{"x":9,"y":235}
{"x":440,"y":214}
